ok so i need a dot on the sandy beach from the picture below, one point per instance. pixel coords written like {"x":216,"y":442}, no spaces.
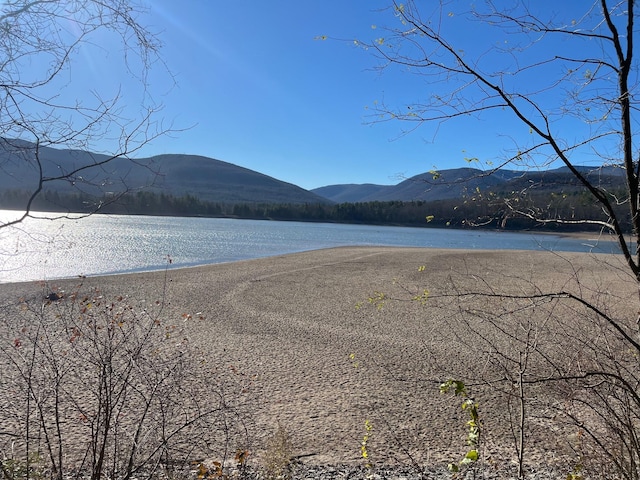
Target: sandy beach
{"x":304,"y":348}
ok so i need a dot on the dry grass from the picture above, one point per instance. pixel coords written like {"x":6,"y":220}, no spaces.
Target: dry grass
{"x":277,"y":458}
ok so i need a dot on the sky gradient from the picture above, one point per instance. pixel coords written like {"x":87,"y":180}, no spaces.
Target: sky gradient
{"x":255,"y":87}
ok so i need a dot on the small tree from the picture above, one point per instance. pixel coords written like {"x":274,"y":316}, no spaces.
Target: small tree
{"x":42,"y":47}
{"x":566,"y":74}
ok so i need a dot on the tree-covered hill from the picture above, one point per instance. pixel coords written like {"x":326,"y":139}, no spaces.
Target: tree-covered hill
{"x":461,"y":182}
{"x":206,"y":179}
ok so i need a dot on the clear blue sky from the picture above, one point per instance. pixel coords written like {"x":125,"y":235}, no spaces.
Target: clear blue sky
{"x":263,"y":93}
{"x":254,"y":87}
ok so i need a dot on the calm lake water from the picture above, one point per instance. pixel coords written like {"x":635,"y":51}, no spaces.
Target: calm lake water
{"x":41,"y":249}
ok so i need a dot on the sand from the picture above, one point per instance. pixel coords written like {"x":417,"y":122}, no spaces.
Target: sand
{"x":306,"y":349}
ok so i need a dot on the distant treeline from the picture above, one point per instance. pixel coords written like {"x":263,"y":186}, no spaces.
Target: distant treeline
{"x":480,"y":210}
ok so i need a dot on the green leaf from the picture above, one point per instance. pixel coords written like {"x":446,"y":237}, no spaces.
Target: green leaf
{"x":457,"y":385}
{"x":472,"y":456}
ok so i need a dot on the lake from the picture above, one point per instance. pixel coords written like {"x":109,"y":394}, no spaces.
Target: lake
{"x":44,"y":249}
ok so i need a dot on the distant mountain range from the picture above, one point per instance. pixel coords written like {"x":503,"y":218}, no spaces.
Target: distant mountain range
{"x":460,"y":182}
{"x":213,"y":180}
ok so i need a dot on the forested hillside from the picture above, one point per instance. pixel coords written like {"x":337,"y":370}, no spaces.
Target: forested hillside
{"x":460,"y":182}
{"x":177,"y":175}
{"x":479,"y":210}
{"x":188,"y":185}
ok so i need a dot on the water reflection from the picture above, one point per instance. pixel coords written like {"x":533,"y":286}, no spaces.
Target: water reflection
{"x":45,"y":249}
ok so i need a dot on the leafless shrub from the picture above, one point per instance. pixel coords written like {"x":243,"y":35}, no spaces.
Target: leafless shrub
{"x":98,"y":386}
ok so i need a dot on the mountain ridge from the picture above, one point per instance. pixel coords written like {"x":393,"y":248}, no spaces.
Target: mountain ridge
{"x":460,"y":182}
{"x":217,"y":181}
{"x":205,"y":178}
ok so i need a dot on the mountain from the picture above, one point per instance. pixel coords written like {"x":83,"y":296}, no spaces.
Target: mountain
{"x":177,"y":174}
{"x":429,"y":186}
{"x":459,"y":182}
{"x":211,"y":180}
{"x":217,"y":181}
{"x":351,"y":193}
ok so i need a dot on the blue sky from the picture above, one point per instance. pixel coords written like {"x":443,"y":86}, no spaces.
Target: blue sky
{"x":262,"y":92}
{"x":254,"y":87}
